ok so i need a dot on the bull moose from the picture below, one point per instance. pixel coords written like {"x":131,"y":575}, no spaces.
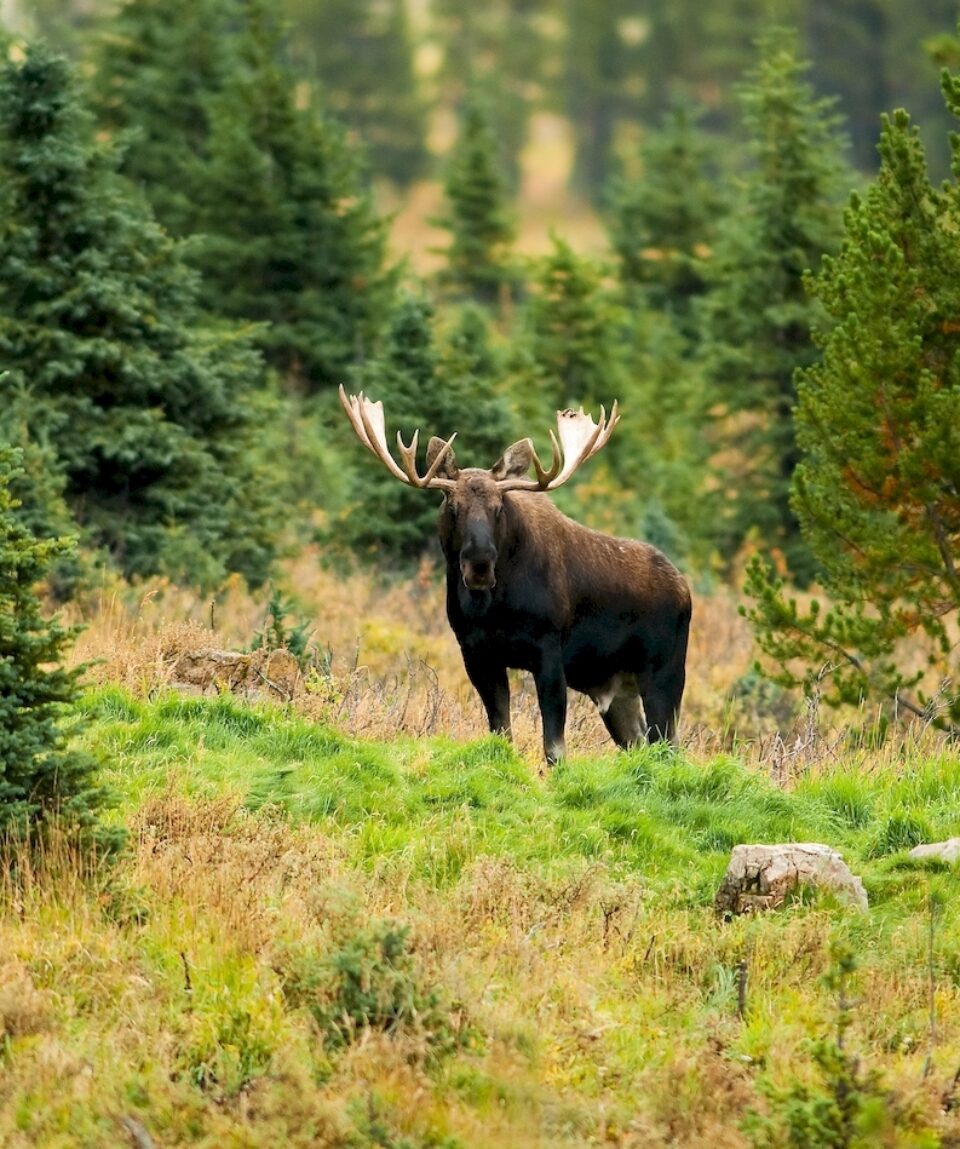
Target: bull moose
{"x":528,"y":588}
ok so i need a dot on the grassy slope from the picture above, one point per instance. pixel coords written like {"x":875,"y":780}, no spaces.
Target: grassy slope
{"x":564,"y":979}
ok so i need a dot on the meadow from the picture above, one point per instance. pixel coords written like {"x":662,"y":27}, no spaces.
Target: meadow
{"x":348,"y":918}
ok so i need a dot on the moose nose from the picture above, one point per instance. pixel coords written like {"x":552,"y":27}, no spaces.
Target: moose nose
{"x":478,"y":574}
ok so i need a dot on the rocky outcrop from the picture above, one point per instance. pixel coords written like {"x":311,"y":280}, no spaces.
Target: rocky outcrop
{"x":252,"y":674}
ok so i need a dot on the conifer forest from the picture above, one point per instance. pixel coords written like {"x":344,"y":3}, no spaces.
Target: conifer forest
{"x":279,"y":864}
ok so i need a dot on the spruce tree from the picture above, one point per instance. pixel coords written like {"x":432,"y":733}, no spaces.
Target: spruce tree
{"x":878,"y":428}
{"x":389,"y":523}
{"x":572,"y":329}
{"x":41,"y":777}
{"x":660,"y":450}
{"x":573,"y":349}
{"x":38,"y":488}
{"x":290,"y":238}
{"x":158,"y":64}
{"x":146,"y":409}
{"x":219,"y":134}
{"x":361,"y":53}
{"x":469,"y":369}
{"x":757,"y":317}
{"x":663,"y":219}
{"x":440,"y":391}
{"x":476,"y":212}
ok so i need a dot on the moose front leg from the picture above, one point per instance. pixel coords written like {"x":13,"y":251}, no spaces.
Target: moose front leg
{"x":494,"y":689}
{"x":551,"y":682}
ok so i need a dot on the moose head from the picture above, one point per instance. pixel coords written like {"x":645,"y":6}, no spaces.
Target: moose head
{"x":472,"y":521}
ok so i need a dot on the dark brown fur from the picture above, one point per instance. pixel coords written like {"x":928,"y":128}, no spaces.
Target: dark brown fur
{"x":531,"y":589}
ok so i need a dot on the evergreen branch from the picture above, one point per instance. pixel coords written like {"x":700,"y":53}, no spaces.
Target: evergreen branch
{"x":943,"y":545}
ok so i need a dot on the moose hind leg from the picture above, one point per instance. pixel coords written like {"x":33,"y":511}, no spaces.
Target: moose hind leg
{"x":661,"y":705}
{"x":622,"y":719}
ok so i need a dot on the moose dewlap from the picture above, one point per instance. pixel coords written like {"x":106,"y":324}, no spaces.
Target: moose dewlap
{"x":530,"y":589}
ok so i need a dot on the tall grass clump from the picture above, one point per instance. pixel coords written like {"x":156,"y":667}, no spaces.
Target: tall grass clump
{"x":368,"y":980}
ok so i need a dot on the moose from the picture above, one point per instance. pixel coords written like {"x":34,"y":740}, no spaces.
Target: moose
{"x":530,"y":589}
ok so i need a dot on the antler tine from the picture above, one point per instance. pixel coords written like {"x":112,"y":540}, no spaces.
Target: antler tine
{"x":546,"y":476}
{"x":350,"y":404}
{"x":574,"y":426}
{"x":579,"y":439}
{"x":374,"y":424}
{"x":368,"y":421}
{"x":409,"y":457}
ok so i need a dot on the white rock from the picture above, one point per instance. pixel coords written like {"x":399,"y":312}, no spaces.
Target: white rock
{"x":948,"y":851}
{"x":760,"y":877}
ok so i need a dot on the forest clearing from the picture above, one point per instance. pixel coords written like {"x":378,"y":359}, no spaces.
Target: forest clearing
{"x":347,"y":919}
{"x":273,"y":870}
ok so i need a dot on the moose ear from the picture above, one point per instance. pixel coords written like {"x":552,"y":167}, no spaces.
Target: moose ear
{"x":448,"y":468}
{"x":515,"y":461}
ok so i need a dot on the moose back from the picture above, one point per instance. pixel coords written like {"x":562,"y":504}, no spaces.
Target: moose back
{"x":528,"y":588}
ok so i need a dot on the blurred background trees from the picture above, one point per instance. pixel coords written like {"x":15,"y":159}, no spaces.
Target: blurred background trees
{"x":214,"y":213}
{"x":139,"y":401}
{"x":756,"y":314}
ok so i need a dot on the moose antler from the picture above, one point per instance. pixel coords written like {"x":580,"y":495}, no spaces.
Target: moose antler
{"x":367,"y":420}
{"x":579,"y":439}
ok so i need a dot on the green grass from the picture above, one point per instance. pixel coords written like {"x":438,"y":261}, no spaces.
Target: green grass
{"x":651,"y":810}
{"x":318,"y":940}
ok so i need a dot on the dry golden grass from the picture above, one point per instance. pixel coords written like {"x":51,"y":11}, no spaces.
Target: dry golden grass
{"x":394,"y":664}
{"x":127,"y":982}
{"x":153,"y":993}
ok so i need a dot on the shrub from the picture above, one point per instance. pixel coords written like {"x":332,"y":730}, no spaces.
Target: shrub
{"x":848,"y":1107}
{"x":370,"y":981}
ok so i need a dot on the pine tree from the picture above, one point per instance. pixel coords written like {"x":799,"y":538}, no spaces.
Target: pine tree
{"x":38,"y":488}
{"x":662,"y":454}
{"x":41,"y":777}
{"x":290,"y":238}
{"x":476,"y":212}
{"x":468,"y":372}
{"x":878,"y":427}
{"x":362,"y":55}
{"x":663,"y":219}
{"x":390,"y":523}
{"x":147,"y":410}
{"x":757,"y":317}
{"x":224,"y":148}
{"x":573,"y":348}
